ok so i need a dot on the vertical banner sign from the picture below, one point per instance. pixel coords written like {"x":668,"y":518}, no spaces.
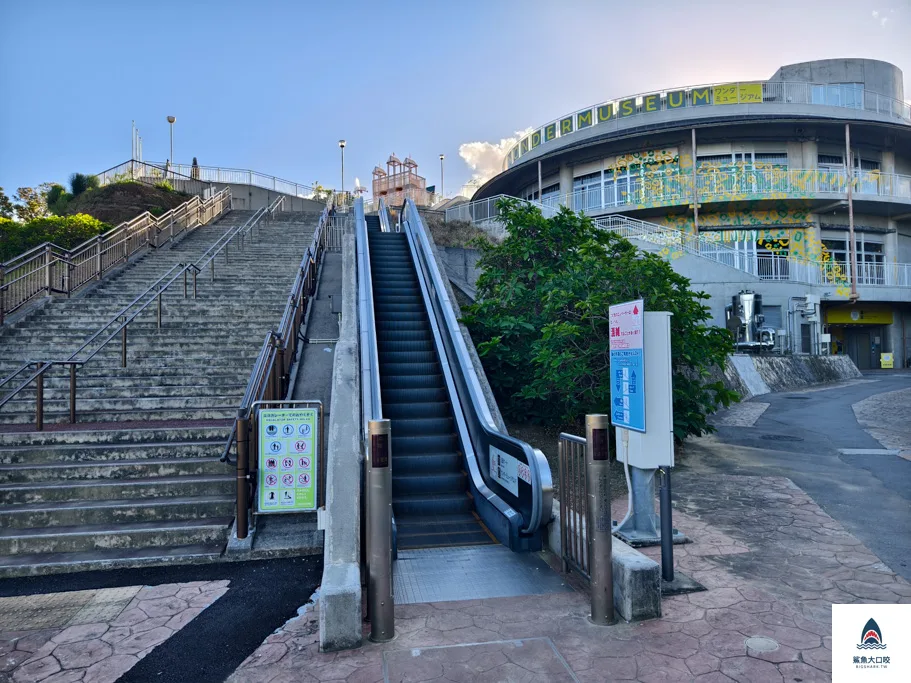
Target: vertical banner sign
{"x":288,"y":454}
{"x":627,"y":371}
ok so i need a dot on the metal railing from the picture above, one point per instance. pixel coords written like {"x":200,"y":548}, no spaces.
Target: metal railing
{"x":686,"y":98}
{"x":658,"y":188}
{"x":479,"y":434}
{"x":117,"y":325}
{"x":336,"y":227}
{"x":154,"y":175}
{"x":49,"y":269}
{"x":573,"y":504}
{"x":270,"y":376}
{"x":485,"y":214}
{"x":218,"y":174}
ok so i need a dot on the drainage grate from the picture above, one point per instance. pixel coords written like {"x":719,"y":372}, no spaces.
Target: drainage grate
{"x":780,"y":437}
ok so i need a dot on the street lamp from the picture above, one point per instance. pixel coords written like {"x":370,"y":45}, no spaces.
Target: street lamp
{"x":442,"y":191}
{"x":171,"y":120}
{"x":341,"y":144}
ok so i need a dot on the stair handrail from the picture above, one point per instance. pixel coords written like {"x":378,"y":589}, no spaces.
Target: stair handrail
{"x":124,"y":319}
{"x":34,"y":272}
{"x":270,"y":376}
{"x":371,"y":404}
{"x":383,"y":213}
{"x":485,"y":435}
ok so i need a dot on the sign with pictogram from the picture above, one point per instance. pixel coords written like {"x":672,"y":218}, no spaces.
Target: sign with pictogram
{"x":627,"y":366}
{"x":288,"y":444}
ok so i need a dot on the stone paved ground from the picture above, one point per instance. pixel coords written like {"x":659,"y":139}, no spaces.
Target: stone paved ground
{"x":885,"y":417}
{"x":772,"y":563}
{"x":94,"y":636}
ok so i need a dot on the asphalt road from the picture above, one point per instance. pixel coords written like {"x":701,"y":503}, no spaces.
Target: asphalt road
{"x":262,"y":596}
{"x":799,"y":437}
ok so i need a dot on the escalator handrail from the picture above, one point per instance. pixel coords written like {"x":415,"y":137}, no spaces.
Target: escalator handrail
{"x":486,"y":432}
{"x":384,"y":216}
{"x":371,"y":406}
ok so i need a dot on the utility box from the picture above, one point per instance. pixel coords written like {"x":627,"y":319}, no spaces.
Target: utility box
{"x":655,"y":447}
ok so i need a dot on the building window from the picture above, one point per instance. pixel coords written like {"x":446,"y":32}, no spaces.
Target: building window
{"x":587,"y":192}
{"x":870,"y":258}
{"x":742,"y":172}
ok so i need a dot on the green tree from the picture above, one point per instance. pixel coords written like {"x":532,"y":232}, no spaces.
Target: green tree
{"x":31,"y":202}
{"x":80,"y":182}
{"x":57,"y":199}
{"x":6,"y":206}
{"x":541,"y":320}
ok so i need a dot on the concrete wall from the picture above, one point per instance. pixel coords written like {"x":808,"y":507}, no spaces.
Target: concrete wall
{"x":879,"y":77}
{"x":340,"y":624}
{"x":252,"y":197}
{"x":757,"y":375}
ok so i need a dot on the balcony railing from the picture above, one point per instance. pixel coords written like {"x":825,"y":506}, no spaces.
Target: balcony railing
{"x":673,"y":243}
{"x":688,"y":98}
{"x":657,"y":189}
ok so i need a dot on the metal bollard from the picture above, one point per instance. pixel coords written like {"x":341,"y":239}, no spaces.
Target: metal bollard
{"x":380,"y":603}
{"x":597,"y":472}
{"x":667,"y":528}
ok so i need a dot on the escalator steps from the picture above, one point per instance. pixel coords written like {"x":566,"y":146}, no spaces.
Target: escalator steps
{"x":430,"y":497}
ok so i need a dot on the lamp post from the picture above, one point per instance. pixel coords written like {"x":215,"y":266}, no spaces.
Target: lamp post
{"x":442,"y":190}
{"x":341,"y":144}
{"x":171,"y":120}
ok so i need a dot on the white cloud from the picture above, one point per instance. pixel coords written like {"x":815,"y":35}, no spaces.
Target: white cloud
{"x":875,"y":14}
{"x":486,"y":158}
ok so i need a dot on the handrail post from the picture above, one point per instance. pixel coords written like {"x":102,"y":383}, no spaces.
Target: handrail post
{"x":72,"y":393}
{"x":159,"y":307}
{"x":2,"y":294}
{"x":123,"y":345}
{"x":380,"y":601}
{"x":48,"y":265}
{"x":98,"y":272}
{"x":39,"y":401}
{"x":597,"y":472}
{"x":185,"y":283}
{"x":243,"y":465}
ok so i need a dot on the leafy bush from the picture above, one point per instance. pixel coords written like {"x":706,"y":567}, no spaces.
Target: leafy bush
{"x":64,"y":231}
{"x":541,"y":320}
{"x":79,"y":183}
{"x":165,"y":185}
{"x":57,"y":199}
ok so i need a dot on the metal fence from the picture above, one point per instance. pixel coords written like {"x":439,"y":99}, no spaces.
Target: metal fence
{"x":573,"y":504}
{"x":335,"y":228}
{"x":50,"y":269}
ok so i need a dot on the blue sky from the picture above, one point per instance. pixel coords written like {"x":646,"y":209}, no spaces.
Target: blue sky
{"x":273,"y":85}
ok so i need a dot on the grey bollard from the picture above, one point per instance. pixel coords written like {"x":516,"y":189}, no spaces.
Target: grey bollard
{"x":380,"y":602}
{"x":597,"y":470}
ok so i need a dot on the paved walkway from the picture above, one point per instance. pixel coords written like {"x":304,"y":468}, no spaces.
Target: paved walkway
{"x":94,"y":636}
{"x":772,"y":562}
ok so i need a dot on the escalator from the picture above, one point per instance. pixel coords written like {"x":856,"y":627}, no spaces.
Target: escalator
{"x":457,"y":478}
{"x":430,"y":497}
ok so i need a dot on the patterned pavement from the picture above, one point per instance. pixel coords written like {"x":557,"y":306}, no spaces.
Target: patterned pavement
{"x":94,"y":636}
{"x":772,"y":562}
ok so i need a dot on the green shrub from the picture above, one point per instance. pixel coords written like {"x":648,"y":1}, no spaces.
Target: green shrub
{"x":79,"y":183}
{"x":541,"y":320}
{"x":64,"y":231}
{"x":57,"y":199}
{"x":156,"y":211}
{"x":165,"y":185}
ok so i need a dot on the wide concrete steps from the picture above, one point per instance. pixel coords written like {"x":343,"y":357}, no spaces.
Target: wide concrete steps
{"x":100,"y":496}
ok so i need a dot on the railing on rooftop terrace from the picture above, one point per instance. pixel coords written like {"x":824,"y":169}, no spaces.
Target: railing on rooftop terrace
{"x":672,"y":242}
{"x":134,"y":170}
{"x":715,"y":94}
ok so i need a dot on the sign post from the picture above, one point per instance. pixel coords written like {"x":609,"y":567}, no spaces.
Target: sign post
{"x":600,"y":541}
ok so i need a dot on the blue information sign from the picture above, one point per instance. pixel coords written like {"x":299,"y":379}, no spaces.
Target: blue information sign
{"x":627,"y":367}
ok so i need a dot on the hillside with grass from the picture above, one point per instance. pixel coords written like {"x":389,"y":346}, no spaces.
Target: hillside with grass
{"x":121,"y":202}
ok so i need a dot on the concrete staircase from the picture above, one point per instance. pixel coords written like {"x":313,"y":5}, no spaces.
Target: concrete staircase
{"x":138,"y":479}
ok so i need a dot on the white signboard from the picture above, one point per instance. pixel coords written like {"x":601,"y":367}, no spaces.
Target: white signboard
{"x":627,"y":366}
{"x":504,"y":469}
